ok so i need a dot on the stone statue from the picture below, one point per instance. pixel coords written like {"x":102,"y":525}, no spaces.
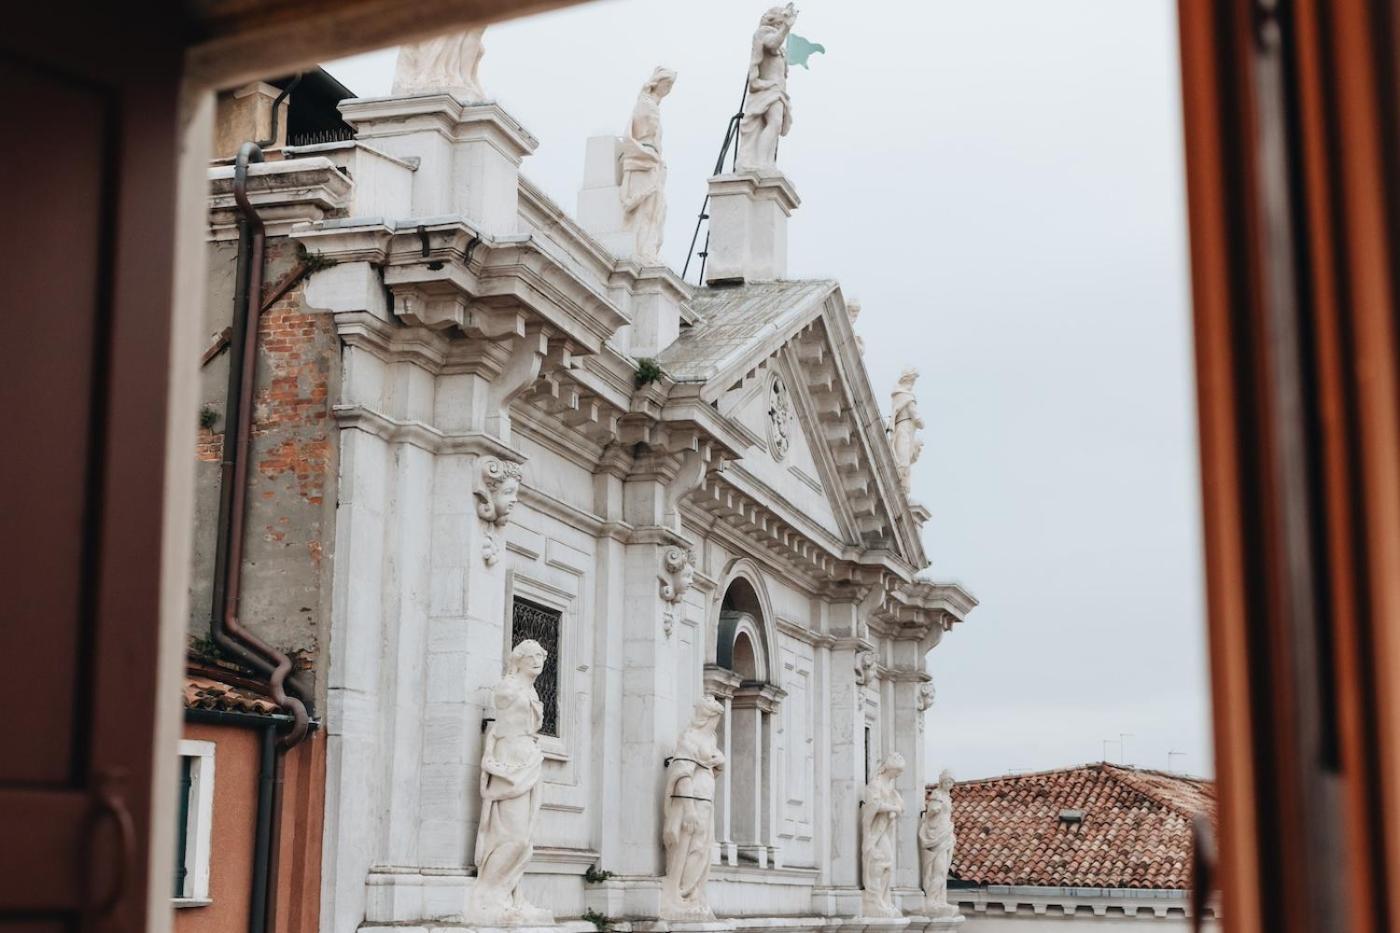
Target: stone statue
{"x":936,"y":842}
{"x":644,"y":171}
{"x":904,"y":425}
{"x":879,"y":823}
{"x":767,"y":112}
{"x":443,"y":64}
{"x":853,"y":312}
{"x":688,"y":815}
{"x":511,"y":763}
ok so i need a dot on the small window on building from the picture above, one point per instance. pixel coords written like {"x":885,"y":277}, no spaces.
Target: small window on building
{"x":531,"y":620}
{"x":194,"y":822}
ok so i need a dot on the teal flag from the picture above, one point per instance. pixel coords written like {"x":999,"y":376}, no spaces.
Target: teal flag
{"x":800,"y":49}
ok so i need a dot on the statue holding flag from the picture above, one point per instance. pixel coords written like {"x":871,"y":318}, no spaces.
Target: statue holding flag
{"x":767,"y":114}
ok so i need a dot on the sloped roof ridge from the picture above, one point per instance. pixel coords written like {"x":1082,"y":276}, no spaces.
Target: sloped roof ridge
{"x":1123,"y":774}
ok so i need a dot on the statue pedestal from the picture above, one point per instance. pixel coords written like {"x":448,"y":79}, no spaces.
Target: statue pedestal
{"x":683,"y":926}
{"x":748,"y":227}
{"x":875,"y":925}
{"x":934,"y":924}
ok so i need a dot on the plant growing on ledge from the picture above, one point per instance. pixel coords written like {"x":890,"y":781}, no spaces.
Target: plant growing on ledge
{"x":313,"y":262}
{"x":648,"y":370}
{"x":208,"y":417}
{"x":596,"y":875}
{"x":600,"y":922}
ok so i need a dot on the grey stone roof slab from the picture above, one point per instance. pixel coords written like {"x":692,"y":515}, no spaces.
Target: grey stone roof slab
{"x":735,"y":320}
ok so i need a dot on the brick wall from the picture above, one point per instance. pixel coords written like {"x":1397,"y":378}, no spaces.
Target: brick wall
{"x":291,"y":496}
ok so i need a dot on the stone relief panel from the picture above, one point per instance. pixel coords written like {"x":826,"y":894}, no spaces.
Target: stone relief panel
{"x":799,"y":742}
{"x":780,"y":418}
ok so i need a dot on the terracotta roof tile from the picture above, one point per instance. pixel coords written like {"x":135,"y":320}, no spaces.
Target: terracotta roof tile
{"x":1135,"y":830}
{"x":208,"y":689}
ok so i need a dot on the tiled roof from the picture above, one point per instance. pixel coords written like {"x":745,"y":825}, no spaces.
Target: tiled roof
{"x":734,"y":319}
{"x":207,"y":688}
{"x":1135,"y":830}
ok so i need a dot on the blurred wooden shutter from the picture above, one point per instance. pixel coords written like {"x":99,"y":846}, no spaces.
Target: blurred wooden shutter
{"x":1291,"y":144}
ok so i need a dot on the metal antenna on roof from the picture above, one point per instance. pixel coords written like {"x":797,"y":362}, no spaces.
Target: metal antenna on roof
{"x":1106,"y":744}
{"x":731,"y":137}
{"x":1123,"y":747}
{"x":1170,"y":756}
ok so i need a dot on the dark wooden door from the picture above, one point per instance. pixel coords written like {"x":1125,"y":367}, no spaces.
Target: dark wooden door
{"x":87,"y":186}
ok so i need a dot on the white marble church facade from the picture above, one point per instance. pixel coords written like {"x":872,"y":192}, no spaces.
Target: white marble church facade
{"x":736,"y":527}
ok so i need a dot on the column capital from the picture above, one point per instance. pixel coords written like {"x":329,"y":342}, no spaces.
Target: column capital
{"x":764,"y":697}
{"x":721,"y":682}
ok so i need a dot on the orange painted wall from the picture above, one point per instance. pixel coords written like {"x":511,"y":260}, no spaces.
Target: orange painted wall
{"x":298,"y":893}
{"x":231,"y":842}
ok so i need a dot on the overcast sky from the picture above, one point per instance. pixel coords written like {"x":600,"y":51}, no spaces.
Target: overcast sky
{"x":1000,"y":184}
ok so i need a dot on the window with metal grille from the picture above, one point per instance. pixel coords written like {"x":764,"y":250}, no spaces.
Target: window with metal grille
{"x":530,"y":620}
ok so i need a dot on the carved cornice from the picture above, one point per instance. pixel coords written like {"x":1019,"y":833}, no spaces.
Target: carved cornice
{"x":285,"y":193}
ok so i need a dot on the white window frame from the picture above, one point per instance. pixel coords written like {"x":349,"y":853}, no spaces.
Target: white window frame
{"x":199,"y":824}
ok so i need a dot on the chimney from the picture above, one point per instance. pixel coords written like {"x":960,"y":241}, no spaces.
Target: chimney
{"x":246,"y":113}
{"x":748,"y":227}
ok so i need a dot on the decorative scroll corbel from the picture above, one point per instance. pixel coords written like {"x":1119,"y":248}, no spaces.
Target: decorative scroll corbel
{"x":496,"y":492}
{"x":520,"y":371}
{"x":925,"y":697}
{"x":677,"y":575}
{"x":690,"y":475}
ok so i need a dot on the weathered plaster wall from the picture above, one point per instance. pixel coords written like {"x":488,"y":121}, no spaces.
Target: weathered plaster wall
{"x":291,"y":494}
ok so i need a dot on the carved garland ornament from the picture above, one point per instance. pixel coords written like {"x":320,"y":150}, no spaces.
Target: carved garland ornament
{"x":779,"y":417}
{"x":677,"y":575}
{"x":496,"y":493}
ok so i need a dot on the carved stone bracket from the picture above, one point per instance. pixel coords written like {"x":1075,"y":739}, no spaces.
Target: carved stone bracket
{"x":925,"y":696}
{"x":865,"y":667}
{"x":497,"y":489}
{"x":677,"y":575}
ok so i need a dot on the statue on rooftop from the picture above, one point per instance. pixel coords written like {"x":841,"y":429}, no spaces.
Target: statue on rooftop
{"x":511,"y":767}
{"x":688,"y":815}
{"x":643,"y":169}
{"x":905,"y":424}
{"x":936,"y":841}
{"x":879,"y":823}
{"x":853,"y":313}
{"x":443,"y":64}
{"x":767,"y":114}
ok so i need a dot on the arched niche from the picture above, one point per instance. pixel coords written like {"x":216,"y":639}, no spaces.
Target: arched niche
{"x":745,"y":622}
{"x":745,"y":652}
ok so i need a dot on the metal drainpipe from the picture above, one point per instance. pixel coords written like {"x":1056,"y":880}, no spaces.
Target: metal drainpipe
{"x":224,"y":626}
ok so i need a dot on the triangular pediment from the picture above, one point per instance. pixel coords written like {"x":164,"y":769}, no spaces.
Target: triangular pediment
{"x":831,"y":461}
